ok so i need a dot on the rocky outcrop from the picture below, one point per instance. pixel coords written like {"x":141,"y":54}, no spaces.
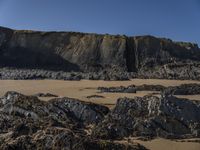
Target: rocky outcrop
{"x":28,"y":123}
{"x":150,"y":116}
{"x":145,"y":56}
{"x":133,"y":88}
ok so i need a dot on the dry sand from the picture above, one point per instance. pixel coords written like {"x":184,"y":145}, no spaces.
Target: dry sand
{"x":84,"y":88}
{"x":165,"y":144}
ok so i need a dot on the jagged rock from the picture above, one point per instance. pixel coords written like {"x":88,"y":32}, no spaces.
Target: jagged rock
{"x":150,"y":116}
{"x":83,"y":111}
{"x":31,"y":106}
{"x":27,"y":123}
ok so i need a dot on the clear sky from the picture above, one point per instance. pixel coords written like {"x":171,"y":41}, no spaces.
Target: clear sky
{"x":175,"y":19}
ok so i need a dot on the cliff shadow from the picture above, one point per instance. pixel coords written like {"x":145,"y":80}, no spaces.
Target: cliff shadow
{"x":29,"y":59}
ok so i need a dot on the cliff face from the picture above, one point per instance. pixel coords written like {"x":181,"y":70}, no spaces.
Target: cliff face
{"x":89,"y":52}
{"x":148,"y":51}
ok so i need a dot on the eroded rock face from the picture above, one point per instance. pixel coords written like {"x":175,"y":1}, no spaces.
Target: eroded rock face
{"x":150,"y":116}
{"x":28,"y":123}
{"x":145,"y":56}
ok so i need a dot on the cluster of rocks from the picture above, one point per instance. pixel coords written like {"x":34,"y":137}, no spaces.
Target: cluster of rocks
{"x":131,"y":88}
{"x":183,"y":89}
{"x":184,"y":72}
{"x":28,"y":123}
{"x":28,"y":74}
{"x":177,"y":71}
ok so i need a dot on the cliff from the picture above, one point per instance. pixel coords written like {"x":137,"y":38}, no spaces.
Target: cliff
{"x":72,"y":51}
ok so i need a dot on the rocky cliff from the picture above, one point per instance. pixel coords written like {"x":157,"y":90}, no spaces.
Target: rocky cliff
{"x":71,"y":51}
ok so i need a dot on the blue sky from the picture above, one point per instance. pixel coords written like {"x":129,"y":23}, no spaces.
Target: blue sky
{"x":175,"y":19}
